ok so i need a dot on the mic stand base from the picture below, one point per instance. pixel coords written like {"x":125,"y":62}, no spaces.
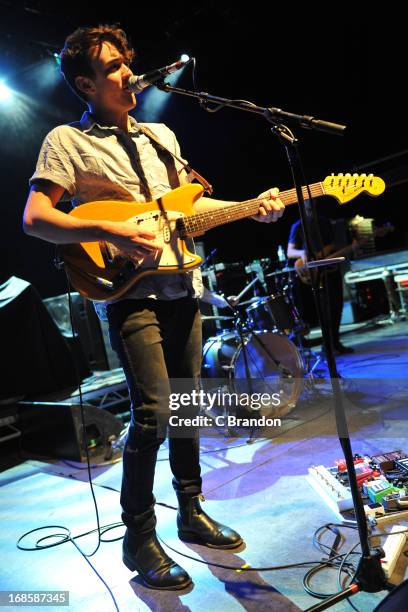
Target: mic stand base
{"x":368,"y":578}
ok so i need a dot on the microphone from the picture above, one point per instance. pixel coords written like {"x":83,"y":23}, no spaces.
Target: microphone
{"x":138,"y":83}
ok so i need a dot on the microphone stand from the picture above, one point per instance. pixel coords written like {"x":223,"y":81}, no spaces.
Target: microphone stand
{"x":369,"y":576}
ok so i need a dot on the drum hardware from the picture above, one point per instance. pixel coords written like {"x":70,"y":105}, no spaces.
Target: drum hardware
{"x":235,"y":302}
{"x":251,"y":300}
{"x":221,"y":266}
{"x":209,"y":260}
{"x":260,"y":352}
{"x":285,"y":270}
{"x":257,"y":269}
{"x":312,"y":359}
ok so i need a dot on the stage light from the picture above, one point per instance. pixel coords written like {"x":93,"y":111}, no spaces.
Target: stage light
{"x":5,"y":92}
{"x":185,"y":57}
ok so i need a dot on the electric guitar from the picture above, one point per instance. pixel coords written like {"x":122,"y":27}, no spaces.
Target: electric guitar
{"x":101,"y":272}
{"x":304,"y":273}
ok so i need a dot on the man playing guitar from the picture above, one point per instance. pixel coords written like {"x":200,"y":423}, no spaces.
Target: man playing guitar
{"x":155,"y":327}
{"x":334,"y":279}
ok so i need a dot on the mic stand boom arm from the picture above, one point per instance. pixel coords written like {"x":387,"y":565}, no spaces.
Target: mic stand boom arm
{"x":304,"y":121}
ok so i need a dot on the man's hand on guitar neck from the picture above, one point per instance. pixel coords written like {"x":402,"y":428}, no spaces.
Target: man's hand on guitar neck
{"x":270,"y":208}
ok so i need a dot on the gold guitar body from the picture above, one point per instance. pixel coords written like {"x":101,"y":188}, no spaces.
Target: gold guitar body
{"x":100,"y":272}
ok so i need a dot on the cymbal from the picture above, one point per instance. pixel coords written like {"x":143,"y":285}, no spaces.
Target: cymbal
{"x":214,"y":318}
{"x":283,"y":271}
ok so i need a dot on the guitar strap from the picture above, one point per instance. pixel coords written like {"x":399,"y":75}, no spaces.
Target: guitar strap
{"x":190,"y":171}
{"x":185,"y":166}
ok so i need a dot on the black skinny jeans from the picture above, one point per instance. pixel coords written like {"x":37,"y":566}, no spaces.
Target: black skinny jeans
{"x":155,"y":340}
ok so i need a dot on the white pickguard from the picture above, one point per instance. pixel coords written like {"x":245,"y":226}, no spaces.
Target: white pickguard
{"x":166,"y":236}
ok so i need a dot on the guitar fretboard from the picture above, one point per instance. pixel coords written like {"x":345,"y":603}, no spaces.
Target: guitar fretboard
{"x":201,"y":222}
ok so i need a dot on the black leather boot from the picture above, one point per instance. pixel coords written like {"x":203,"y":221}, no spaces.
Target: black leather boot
{"x":144,"y":554}
{"x":194,"y":525}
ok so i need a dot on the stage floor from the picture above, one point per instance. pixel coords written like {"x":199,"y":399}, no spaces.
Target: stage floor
{"x":260,"y":489}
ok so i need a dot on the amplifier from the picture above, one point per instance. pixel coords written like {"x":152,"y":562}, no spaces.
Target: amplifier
{"x":55,"y":429}
{"x":366,"y":275}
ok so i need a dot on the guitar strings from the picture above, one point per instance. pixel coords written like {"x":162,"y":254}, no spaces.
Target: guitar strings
{"x":224,"y":214}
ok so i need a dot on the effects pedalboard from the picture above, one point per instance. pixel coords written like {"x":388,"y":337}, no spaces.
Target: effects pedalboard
{"x":383,"y":484}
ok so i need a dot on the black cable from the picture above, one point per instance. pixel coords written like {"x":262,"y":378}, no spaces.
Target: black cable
{"x":341,"y":586}
{"x":81,"y":406}
{"x":250,"y":569}
{"x":66,"y":537}
{"x":336,"y":561}
{"x":218,"y":107}
{"x":194,"y":73}
{"x":343,"y":566}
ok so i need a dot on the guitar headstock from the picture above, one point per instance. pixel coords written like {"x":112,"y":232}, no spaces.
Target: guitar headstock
{"x":345,"y":187}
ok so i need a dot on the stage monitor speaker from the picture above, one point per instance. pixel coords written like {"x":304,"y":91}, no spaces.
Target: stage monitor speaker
{"x":93,"y":333}
{"x":55,"y":429}
{"x":35,"y":357}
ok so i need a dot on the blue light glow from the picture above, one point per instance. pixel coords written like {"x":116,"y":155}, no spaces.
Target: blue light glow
{"x":5,"y":92}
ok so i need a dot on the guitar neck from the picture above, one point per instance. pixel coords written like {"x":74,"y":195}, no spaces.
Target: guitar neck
{"x":201,"y":222}
{"x":343,"y":251}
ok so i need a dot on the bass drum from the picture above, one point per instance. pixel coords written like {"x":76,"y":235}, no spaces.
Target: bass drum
{"x":274,"y":365}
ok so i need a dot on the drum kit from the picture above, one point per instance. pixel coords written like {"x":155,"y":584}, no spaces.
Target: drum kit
{"x":263,"y":340}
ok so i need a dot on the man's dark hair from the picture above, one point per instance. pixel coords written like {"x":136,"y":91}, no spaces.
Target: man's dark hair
{"x":76,"y":55}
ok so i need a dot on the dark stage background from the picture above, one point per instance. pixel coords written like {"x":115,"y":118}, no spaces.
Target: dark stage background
{"x":332,"y":63}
